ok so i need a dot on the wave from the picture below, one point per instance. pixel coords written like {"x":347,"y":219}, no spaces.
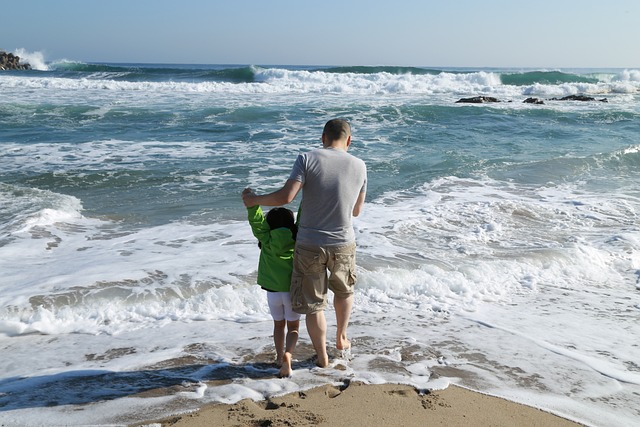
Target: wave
{"x":365,"y":80}
{"x":247,"y":73}
{"x":546,"y":78}
{"x":627,"y":159}
{"x":35,"y":59}
{"x":156,"y":72}
{"x":379,"y":69}
{"x":27,"y":213}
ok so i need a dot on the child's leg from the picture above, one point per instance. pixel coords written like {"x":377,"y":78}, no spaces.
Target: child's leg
{"x":293,"y":328}
{"x":278,"y":314}
{"x":279,"y":339}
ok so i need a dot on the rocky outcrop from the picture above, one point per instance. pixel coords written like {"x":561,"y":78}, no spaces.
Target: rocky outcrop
{"x":578,"y":98}
{"x":533,"y":101}
{"x":9,"y":61}
{"x":484,"y":99}
{"x":478,"y":100}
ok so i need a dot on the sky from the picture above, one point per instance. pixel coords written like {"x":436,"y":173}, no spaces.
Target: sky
{"x":422,"y":33}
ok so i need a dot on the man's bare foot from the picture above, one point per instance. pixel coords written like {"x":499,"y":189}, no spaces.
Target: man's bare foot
{"x":279,"y":360}
{"x":322,"y":362}
{"x":344,"y":346}
{"x":286,"y":370}
{"x":342,"y":343}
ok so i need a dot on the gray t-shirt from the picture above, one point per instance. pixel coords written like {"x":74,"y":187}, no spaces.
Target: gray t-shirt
{"x":332,"y":180}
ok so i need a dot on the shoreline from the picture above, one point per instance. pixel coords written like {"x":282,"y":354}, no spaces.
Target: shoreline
{"x":362,"y":405}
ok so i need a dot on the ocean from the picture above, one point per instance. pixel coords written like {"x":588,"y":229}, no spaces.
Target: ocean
{"x":498,"y":248}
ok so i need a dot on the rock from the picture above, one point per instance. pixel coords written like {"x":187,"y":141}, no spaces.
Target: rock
{"x":574,"y":98}
{"x":533,"y":101}
{"x":578,"y":98}
{"x":9,"y":61}
{"x":478,"y":100}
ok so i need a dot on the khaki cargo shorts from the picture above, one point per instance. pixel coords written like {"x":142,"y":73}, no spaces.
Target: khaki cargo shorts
{"x":316,"y":269}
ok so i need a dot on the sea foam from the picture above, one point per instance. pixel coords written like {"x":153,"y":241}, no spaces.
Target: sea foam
{"x":283,"y":81}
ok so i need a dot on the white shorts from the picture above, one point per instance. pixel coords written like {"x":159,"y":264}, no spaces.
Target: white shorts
{"x":280,"y":306}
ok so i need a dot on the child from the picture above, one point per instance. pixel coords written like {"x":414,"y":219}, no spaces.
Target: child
{"x":276,"y":238}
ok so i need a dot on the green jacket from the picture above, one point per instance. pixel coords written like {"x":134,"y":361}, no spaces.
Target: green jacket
{"x":276,"y":255}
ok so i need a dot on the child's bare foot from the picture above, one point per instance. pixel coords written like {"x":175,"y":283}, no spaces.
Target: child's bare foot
{"x":286,"y":370}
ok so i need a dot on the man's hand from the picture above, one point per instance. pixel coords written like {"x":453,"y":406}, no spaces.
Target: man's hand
{"x":248,"y":197}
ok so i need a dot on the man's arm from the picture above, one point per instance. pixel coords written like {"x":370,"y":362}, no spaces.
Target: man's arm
{"x":357,"y":208}
{"x":280,"y":197}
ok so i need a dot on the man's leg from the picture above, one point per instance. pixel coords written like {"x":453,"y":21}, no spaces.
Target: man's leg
{"x":309,"y":296}
{"x":342,"y":280}
{"x":317,"y":329}
{"x":343,"y":306}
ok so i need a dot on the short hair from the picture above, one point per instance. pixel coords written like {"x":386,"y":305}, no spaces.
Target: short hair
{"x":336,"y":129}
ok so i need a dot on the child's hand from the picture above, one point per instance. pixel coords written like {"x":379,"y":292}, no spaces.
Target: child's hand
{"x":248,"y":197}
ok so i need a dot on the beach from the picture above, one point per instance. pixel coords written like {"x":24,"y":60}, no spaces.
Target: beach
{"x":498,"y":249}
{"x":360,"y":405}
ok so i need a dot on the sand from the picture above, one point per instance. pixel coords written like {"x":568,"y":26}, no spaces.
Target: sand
{"x":361,"y":405}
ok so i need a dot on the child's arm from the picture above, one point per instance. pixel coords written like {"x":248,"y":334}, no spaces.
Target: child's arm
{"x":258,"y":223}
{"x":257,"y":220}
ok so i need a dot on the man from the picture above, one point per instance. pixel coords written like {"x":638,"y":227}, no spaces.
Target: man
{"x":333,"y":185}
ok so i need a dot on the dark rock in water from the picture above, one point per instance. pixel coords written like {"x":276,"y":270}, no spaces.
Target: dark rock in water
{"x":533,"y":101}
{"x":574,"y":98}
{"x":9,"y":61}
{"x":578,"y":98}
{"x":478,"y":100}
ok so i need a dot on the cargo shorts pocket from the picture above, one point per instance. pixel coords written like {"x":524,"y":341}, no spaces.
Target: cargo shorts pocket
{"x":343,"y":274}
{"x":297,"y":299}
{"x":307,"y":261}
{"x":308,"y":294}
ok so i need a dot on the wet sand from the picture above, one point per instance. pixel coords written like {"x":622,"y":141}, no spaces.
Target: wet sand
{"x":359,"y":405}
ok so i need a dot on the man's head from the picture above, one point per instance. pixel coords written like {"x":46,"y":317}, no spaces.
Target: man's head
{"x":336,"y":131}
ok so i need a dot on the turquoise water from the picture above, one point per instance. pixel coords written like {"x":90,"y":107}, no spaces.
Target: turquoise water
{"x":499,"y":229}
{"x":409,"y":130}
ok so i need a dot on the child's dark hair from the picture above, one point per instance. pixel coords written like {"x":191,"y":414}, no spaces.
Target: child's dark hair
{"x":282,"y":218}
